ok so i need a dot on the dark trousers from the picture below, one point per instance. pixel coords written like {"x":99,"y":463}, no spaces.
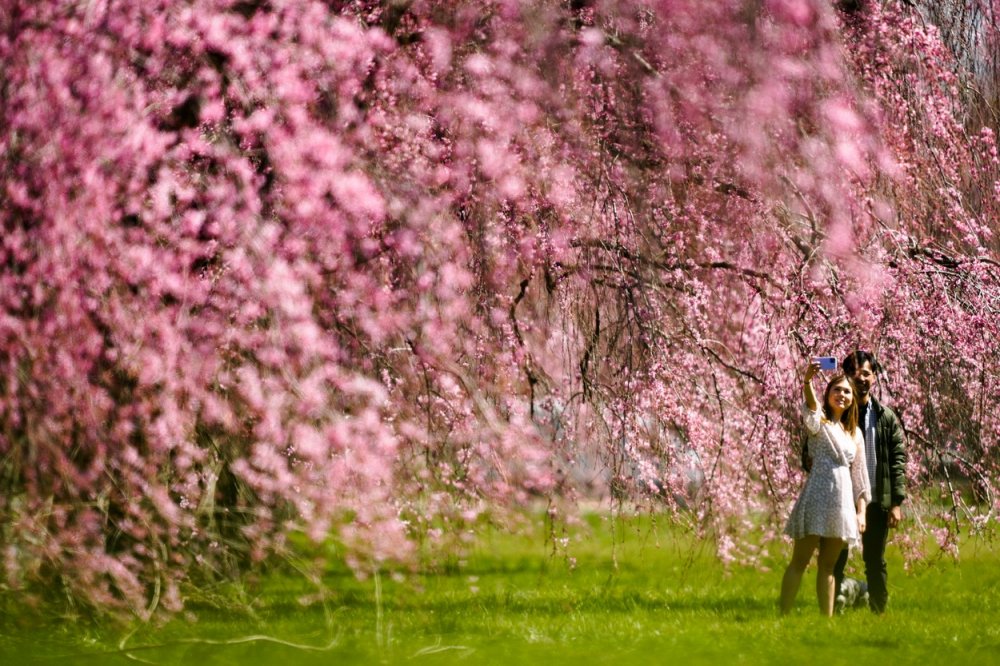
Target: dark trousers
{"x":873,"y":542}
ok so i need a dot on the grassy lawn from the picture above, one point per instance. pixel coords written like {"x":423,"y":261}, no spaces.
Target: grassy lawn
{"x":509,"y":601}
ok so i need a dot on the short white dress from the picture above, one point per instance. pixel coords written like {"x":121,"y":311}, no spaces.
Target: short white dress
{"x":839,"y":476}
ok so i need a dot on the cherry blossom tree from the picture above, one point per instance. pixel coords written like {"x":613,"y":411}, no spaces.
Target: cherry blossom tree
{"x":370,"y":271}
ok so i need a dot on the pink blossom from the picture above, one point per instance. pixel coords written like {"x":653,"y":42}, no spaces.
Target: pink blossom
{"x":384,"y":283}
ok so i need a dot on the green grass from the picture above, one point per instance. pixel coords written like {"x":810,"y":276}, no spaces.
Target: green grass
{"x":509,"y":601}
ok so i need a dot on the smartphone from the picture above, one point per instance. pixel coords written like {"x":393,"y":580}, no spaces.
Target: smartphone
{"x":826,"y":362}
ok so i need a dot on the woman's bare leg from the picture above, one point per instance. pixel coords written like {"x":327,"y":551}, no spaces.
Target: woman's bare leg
{"x":801,"y":554}
{"x":829,"y":551}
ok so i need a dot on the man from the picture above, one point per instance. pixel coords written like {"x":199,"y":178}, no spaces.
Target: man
{"x":886,"y":458}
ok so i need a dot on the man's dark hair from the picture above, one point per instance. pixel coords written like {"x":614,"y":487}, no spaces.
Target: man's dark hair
{"x":856,"y":359}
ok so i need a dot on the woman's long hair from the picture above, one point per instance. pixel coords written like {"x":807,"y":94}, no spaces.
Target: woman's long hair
{"x":850,"y":416}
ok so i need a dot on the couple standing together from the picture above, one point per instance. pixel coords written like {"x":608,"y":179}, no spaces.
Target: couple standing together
{"x":856,"y":461}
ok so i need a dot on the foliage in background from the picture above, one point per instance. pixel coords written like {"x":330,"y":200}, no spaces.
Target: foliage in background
{"x":370,"y":269}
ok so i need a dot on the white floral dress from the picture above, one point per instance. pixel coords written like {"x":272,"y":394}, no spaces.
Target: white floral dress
{"x":838,"y":477}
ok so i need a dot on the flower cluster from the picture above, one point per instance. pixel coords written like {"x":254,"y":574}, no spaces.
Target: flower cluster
{"x":364,"y":270}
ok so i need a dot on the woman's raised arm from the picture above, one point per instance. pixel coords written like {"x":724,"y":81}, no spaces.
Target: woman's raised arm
{"x":807,"y":387}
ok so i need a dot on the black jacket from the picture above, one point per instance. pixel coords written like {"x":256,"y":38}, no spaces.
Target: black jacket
{"x":890,"y":456}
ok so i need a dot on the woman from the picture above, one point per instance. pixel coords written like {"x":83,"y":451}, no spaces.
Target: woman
{"x":830,"y":511}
